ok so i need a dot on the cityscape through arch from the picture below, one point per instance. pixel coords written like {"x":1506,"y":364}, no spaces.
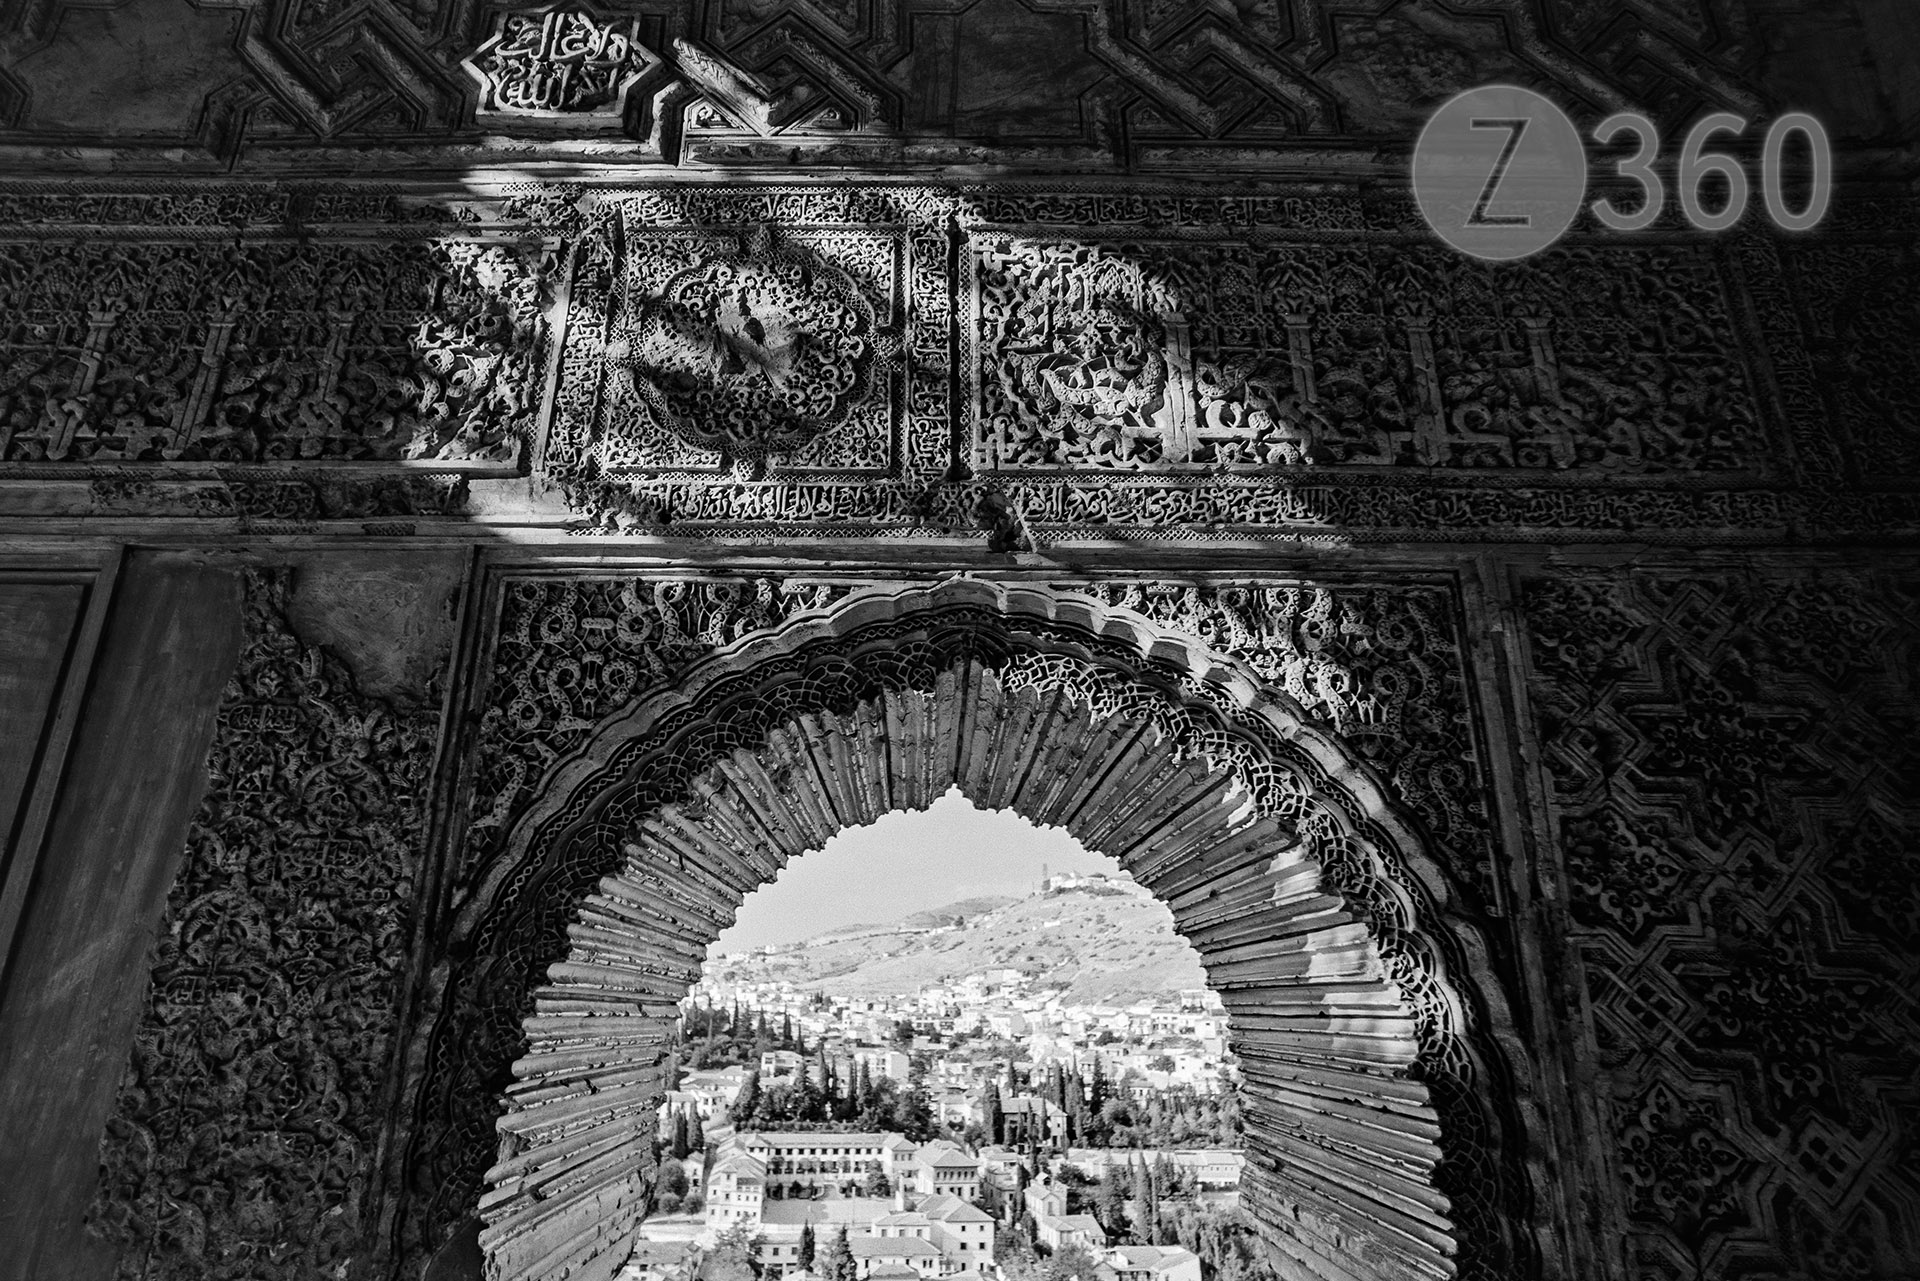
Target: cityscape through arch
{"x":954,"y":1028}
{"x":1144,"y":746}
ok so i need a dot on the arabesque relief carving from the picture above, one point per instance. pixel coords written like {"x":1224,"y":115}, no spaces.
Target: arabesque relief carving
{"x":394,"y":350}
{"x":244,"y":1144}
{"x":811,"y":361}
{"x":1130,"y":356}
{"x":753,"y":350}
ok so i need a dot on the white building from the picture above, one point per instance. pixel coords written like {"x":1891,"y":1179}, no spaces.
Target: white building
{"x":779,"y":1063}
{"x":661,"y":1261}
{"x":782,"y":1223}
{"x":962,"y":1230}
{"x":1152,"y":1263}
{"x":1045,"y":1198}
{"x":1007,"y":1024}
{"x":1057,"y":1231}
{"x":941,"y":1169}
{"x":878,"y":1062}
{"x":1212,"y":1169}
{"x":872,"y":1253}
{"x":713,"y":1091}
{"x":736,"y":1190}
{"x":823,"y":1158}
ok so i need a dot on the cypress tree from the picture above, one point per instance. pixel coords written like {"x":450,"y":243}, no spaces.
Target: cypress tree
{"x":748,"y":1100}
{"x":843,"y":1268}
{"x":1158,"y":1185}
{"x":1142,"y":1203}
{"x":806,"y":1245}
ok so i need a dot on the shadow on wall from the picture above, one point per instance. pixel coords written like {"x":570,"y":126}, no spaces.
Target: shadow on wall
{"x":274,"y":376}
{"x":726,"y":354}
{"x":1004,"y":366}
{"x":1123,"y":364}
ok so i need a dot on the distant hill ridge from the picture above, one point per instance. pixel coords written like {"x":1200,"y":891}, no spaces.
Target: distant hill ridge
{"x":1102,"y":947}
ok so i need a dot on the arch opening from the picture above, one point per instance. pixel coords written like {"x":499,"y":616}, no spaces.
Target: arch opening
{"x":1276,"y":853}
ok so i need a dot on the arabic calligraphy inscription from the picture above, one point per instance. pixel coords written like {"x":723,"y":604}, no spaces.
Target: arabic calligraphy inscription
{"x":562,"y":62}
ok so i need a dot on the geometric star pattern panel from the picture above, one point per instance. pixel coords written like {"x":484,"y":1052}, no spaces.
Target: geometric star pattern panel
{"x":1140,"y":85}
{"x":1734,"y":765}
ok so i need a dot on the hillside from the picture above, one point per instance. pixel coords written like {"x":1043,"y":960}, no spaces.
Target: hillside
{"x":1101,"y":947}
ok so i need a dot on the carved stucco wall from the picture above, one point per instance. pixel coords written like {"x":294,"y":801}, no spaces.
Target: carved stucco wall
{"x":1283,"y":365}
{"x":1729,"y":754}
{"x":1672,"y":794}
{"x":251,"y":1119}
{"x":1726,"y":754}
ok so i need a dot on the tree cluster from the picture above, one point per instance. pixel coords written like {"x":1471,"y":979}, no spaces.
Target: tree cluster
{"x":715,"y":1036}
{"x":834,"y":1261}
{"x":1226,"y":1242}
{"x":732,"y":1258}
{"x":1101,"y":1113}
{"x":825,"y":1097}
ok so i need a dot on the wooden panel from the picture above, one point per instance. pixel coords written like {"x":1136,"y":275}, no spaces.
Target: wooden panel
{"x":37,"y":625}
{"x":71,"y":992}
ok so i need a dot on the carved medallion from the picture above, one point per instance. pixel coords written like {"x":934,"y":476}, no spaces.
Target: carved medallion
{"x":750,"y":354}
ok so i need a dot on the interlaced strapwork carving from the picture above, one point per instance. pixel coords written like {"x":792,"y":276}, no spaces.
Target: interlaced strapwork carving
{"x":1735,"y":776}
{"x":818,"y":688}
{"x":246,"y":1132}
{"x":1116,"y":85}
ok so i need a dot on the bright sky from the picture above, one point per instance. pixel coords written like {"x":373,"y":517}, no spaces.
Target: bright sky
{"x":905,"y":863}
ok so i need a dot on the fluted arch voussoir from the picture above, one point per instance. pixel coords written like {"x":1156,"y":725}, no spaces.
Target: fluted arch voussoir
{"x":1341,"y":1143}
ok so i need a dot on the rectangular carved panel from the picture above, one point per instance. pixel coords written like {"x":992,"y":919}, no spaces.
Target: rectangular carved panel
{"x":388,"y":349}
{"x":261,"y":1059}
{"x":1100,"y":355}
{"x":730,"y":333}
